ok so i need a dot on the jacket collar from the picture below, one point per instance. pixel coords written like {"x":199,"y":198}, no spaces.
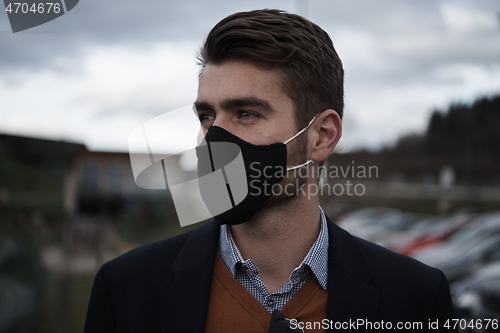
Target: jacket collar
{"x":184,"y":297}
{"x":350,"y":296}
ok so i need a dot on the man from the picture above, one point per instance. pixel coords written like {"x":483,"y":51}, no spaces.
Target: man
{"x":271,"y":83}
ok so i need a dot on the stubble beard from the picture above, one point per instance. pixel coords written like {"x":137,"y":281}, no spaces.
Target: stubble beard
{"x":288,"y":189}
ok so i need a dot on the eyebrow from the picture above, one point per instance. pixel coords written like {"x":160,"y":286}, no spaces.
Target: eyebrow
{"x":245,"y":101}
{"x":236,"y":102}
{"x":202,"y":106}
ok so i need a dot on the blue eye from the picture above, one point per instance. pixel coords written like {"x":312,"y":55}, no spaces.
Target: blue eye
{"x":206,"y":117}
{"x":247,"y":115}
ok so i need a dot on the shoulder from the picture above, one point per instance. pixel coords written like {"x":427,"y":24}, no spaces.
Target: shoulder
{"x":382,"y":264}
{"x":408,"y":289}
{"x":152,"y":261}
{"x":405,"y":285}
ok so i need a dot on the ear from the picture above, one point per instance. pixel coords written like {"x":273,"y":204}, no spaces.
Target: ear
{"x":325,"y":134}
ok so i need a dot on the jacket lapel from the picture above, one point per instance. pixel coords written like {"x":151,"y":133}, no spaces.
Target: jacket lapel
{"x":184,"y":297}
{"x":350,"y":297}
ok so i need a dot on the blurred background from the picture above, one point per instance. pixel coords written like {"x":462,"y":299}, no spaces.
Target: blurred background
{"x":422,"y":94}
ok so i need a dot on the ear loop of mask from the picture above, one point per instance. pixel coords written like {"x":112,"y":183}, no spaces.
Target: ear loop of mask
{"x":296,"y":135}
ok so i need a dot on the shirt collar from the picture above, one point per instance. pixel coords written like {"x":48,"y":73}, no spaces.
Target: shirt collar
{"x":316,"y":258}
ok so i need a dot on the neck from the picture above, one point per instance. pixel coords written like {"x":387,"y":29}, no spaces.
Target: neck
{"x":278,"y":238}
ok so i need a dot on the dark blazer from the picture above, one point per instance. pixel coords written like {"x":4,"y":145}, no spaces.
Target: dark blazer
{"x":165,"y":286}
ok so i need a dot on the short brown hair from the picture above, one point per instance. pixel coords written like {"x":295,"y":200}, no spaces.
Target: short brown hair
{"x":303,"y":52}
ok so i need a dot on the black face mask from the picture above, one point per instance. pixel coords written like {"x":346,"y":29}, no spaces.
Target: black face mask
{"x":265,"y":166}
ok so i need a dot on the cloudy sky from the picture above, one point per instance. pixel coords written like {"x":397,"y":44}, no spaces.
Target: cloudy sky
{"x":99,"y":71}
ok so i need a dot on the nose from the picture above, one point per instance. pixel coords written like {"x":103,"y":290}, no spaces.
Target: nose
{"x":221,"y":120}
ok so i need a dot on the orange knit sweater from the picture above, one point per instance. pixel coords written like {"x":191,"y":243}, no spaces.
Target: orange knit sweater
{"x":232,"y":309}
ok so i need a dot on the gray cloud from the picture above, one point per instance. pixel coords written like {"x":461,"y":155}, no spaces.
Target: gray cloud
{"x":385,"y":44}
{"x":389,"y":22}
{"x":94,"y":22}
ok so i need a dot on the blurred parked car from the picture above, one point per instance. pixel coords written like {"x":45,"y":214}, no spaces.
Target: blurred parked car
{"x":436,"y":233}
{"x":461,"y":258}
{"x":375,"y":224}
{"x":478,"y":296}
{"x":481,"y":227}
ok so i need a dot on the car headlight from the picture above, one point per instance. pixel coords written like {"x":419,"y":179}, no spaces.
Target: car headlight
{"x":469,"y":299}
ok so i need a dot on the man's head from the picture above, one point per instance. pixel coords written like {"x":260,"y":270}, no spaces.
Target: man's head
{"x":310,"y":70}
{"x":265,"y":75}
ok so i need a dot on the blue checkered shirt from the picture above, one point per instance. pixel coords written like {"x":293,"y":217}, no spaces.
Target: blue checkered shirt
{"x":246,"y":273}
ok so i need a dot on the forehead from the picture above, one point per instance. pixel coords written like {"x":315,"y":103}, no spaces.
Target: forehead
{"x":240,"y":79}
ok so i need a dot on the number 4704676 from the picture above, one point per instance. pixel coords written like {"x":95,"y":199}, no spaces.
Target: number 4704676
{"x":472,"y":324}
{"x":40,"y":8}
